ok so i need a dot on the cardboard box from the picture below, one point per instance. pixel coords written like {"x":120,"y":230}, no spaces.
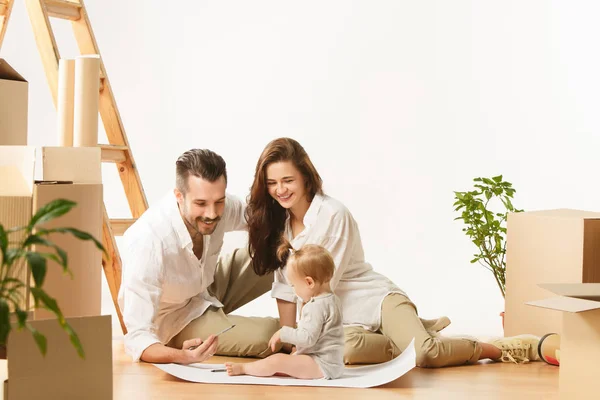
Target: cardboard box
{"x":579,"y":306}
{"x":70,"y":164}
{"x":16,"y":191}
{"x":81,"y":294}
{"x":73,"y":173}
{"x":549,"y":246}
{"x":13,"y":106}
{"x":61,"y":374}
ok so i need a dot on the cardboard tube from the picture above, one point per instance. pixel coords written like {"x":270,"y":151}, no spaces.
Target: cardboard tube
{"x":87,"y":94}
{"x":549,"y":348}
{"x":66,"y":90}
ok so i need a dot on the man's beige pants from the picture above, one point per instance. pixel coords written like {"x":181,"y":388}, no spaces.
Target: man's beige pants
{"x":399,"y":325}
{"x":235,"y":284}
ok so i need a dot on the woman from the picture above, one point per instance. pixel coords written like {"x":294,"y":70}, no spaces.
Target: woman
{"x":287,"y":200}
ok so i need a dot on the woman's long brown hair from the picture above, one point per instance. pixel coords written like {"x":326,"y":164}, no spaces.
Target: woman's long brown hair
{"x":266,"y":218}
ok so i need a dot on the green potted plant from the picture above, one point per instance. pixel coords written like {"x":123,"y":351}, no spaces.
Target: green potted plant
{"x":11,"y":288}
{"x":484,"y":211}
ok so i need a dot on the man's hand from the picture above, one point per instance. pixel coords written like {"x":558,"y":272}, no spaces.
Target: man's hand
{"x":275,"y":339}
{"x":198,"y":351}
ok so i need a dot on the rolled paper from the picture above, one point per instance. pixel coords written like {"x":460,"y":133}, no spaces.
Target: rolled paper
{"x":87,"y":94}
{"x":549,"y":348}
{"x":66,"y":91}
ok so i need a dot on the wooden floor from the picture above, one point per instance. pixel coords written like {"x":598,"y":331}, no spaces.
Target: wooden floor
{"x":483,"y":381}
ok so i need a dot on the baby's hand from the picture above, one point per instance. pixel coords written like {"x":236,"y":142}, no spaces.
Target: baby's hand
{"x":275,"y":339}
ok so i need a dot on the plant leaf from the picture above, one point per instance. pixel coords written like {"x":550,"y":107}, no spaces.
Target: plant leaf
{"x":15,"y":295}
{"x":74,"y":339}
{"x":12,"y":255}
{"x":3,"y":241}
{"x":48,"y":302}
{"x":21,"y":317}
{"x":48,"y":256}
{"x":54,"y":209}
{"x":38,"y":268}
{"x":14,"y":292}
{"x":35,"y":239}
{"x":75,"y":232}
{"x":40,"y":339}
{"x":8,"y":280}
{"x":4,"y":321}
{"x":51,"y":305}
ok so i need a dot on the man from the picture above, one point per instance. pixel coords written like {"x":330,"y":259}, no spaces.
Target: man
{"x":176,"y":292}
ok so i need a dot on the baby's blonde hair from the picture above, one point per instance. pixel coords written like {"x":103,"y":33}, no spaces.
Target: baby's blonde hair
{"x":310,"y":260}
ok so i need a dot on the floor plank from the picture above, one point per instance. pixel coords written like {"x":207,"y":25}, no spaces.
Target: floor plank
{"x":483,"y":381}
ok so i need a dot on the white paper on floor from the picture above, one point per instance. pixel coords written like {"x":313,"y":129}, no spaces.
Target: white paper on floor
{"x":359,"y":377}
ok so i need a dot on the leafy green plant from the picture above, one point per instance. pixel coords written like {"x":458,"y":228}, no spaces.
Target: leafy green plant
{"x":487,"y":228}
{"x":11,"y":288}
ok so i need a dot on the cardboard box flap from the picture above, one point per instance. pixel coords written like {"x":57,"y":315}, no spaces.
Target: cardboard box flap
{"x":69,"y":164}
{"x":7,"y":72}
{"x":562,"y":213}
{"x":17,"y":164}
{"x":589,"y":291}
{"x":569,"y":304}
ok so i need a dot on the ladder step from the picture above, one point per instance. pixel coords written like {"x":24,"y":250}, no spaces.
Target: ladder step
{"x":119,"y":226}
{"x":113,"y":153}
{"x":3,"y":7}
{"x":64,"y":9}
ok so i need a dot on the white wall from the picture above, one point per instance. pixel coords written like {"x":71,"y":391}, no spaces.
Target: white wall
{"x":398,"y":104}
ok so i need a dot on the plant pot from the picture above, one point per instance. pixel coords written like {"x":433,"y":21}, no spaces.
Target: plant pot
{"x":502,"y":315}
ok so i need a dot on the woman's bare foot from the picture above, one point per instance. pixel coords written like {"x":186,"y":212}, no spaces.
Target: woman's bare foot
{"x":235,"y":369}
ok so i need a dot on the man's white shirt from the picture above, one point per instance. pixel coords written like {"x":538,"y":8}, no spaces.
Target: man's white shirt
{"x":164,"y":285}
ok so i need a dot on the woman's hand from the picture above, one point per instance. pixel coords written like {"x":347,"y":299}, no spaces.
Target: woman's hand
{"x":275,"y":339}
{"x":198,"y":350}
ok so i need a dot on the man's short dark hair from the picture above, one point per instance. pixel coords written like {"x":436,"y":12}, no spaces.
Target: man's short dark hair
{"x":202,"y":163}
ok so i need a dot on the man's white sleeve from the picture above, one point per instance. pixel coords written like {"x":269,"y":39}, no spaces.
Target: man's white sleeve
{"x":234,"y":216}
{"x":141,"y":293}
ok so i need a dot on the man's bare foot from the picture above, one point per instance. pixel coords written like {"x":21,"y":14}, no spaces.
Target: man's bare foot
{"x":235,"y":369}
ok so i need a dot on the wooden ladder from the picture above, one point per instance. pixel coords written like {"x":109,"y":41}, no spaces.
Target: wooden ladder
{"x":118,"y":151}
{"x":5,"y":9}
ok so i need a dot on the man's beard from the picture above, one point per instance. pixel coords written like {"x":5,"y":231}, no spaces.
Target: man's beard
{"x":206,"y":230}
{"x":195,"y":226}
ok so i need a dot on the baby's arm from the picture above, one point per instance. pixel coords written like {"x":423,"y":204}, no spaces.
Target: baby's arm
{"x":309,"y":327}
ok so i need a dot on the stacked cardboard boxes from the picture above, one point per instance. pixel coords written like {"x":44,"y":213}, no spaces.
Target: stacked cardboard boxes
{"x":29,"y":179}
{"x":68,"y":173}
{"x":550,"y":253}
{"x":551,"y":246}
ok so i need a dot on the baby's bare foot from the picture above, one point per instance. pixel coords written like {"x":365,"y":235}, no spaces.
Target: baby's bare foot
{"x":235,"y":369}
